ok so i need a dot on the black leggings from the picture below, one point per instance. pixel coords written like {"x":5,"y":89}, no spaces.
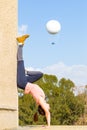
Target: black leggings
{"x":22,"y":78}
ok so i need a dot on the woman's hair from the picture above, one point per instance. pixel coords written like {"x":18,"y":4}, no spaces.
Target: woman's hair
{"x":41,"y":111}
{"x":35,"y":117}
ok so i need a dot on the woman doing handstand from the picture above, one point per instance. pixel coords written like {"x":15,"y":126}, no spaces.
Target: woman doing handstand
{"x":25,"y":82}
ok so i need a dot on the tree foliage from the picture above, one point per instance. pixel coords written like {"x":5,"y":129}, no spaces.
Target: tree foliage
{"x":66,"y":108}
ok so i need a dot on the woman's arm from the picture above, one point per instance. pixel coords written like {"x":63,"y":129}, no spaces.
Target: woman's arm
{"x":46,"y":108}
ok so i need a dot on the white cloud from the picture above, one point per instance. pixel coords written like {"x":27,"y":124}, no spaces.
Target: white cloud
{"x":22,"y":29}
{"x":76,"y":73}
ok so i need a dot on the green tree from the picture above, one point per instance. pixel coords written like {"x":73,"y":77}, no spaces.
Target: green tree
{"x":70,"y":108}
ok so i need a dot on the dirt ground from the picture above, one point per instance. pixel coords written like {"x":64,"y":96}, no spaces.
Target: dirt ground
{"x":52,"y":128}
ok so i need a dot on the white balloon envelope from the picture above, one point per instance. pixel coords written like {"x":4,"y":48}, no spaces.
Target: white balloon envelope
{"x":53,"y":26}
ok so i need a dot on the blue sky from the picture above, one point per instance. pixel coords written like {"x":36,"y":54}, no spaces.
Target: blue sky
{"x":67,"y":58}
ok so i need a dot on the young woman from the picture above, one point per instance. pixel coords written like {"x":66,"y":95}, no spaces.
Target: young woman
{"x":26,"y":81}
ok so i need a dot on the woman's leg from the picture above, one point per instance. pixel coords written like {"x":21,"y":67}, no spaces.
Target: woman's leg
{"x":33,"y":76}
{"x":21,"y":78}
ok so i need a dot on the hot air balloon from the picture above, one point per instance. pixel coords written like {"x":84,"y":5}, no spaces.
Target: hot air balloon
{"x":53,"y":26}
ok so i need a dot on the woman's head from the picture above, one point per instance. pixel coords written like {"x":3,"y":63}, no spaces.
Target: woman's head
{"x":41,"y":111}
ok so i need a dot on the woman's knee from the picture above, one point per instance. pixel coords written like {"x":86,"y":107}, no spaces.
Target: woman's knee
{"x":21,"y":84}
{"x":40,"y":74}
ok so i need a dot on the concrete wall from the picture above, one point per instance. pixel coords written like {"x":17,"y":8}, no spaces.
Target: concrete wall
{"x":8,"y":64}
